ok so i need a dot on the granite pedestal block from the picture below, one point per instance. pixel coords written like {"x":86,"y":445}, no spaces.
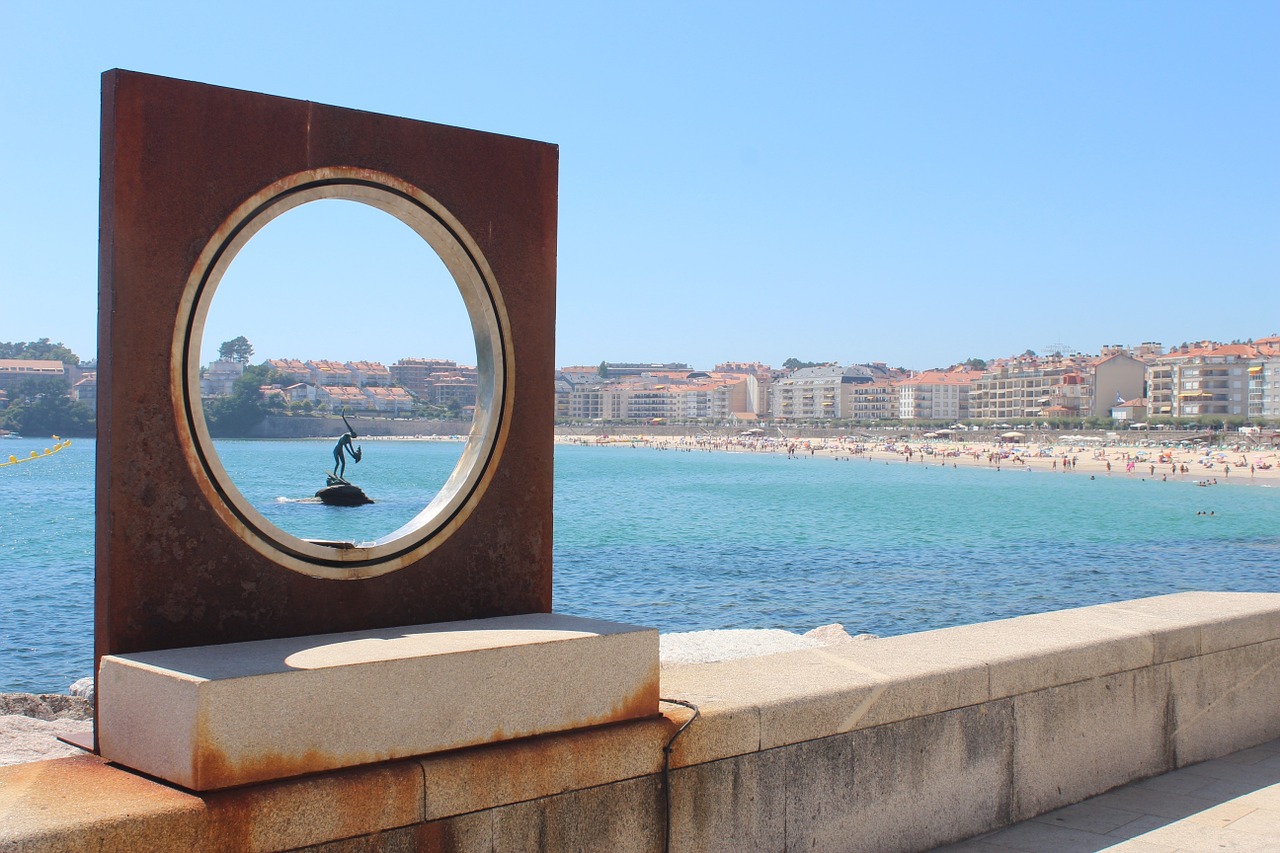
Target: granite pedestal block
{"x":214,"y":717}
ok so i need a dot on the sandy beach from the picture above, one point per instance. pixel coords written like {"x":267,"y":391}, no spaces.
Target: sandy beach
{"x":1051,"y":454}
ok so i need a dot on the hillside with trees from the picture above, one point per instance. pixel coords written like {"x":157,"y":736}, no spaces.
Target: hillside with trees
{"x":42,"y":406}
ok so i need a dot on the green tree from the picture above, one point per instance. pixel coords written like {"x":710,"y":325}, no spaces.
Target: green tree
{"x":236,"y":415}
{"x":603,"y":370}
{"x":50,"y":414}
{"x":796,"y":364}
{"x":40,"y":350}
{"x":41,"y":405}
{"x":237,"y":349}
{"x":43,"y":386}
{"x":976,"y":364}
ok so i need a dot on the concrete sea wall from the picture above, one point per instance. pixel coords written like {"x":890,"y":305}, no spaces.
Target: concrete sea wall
{"x":900,"y":744}
{"x":332,"y":427}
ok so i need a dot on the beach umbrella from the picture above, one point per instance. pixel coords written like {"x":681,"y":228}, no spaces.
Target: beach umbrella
{"x":1012,"y":435}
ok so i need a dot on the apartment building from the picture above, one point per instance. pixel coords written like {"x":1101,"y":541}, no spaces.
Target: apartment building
{"x":293,"y":368}
{"x":761,"y":380}
{"x":659,"y":395}
{"x":414,"y":374}
{"x":435,"y":380}
{"x":219,"y":378}
{"x":86,"y":389}
{"x":581,"y":374}
{"x":618,"y":369}
{"x":582,"y":401}
{"x":393,"y":401}
{"x":1219,"y":380}
{"x":1264,"y":388}
{"x":939,"y":395}
{"x":1026,"y":386}
{"x":1113,"y":379}
{"x":859,"y":392}
{"x":330,"y":373}
{"x":1056,"y":386}
{"x":15,"y":371}
{"x":873,"y":401}
{"x":456,"y":387}
{"x":367,"y":373}
{"x":341,"y":397}
{"x":812,"y":393}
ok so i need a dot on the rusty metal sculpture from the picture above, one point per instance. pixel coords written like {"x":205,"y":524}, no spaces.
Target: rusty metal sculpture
{"x":189,"y":173}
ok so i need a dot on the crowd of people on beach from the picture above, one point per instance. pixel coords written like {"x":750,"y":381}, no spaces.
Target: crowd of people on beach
{"x":1177,"y":462}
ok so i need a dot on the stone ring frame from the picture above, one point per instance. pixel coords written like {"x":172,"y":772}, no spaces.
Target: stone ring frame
{"x":491,"y":328}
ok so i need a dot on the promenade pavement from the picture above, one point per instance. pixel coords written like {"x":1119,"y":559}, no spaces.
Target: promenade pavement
{"x":1228,"y":804}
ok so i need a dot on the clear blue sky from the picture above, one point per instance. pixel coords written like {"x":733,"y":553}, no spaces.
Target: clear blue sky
{"x":914,"y":183}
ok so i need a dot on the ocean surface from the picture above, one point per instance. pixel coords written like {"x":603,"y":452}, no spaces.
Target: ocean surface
{"x":692,"y":540}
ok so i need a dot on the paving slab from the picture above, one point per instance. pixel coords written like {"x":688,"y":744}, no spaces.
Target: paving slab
{"x":1227,"y":804}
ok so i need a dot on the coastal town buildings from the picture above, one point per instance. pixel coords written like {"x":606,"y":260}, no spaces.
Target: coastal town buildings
{"x":1126,"y":384}
{"x":656,"y":396}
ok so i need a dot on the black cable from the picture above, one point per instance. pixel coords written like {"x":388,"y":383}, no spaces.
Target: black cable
{"x":666,"y":764}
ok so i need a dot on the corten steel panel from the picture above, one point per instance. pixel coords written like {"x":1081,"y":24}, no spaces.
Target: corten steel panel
{"x":177,"y":159}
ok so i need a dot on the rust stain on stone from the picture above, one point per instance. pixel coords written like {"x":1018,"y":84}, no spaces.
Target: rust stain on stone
{"x":315,"y":809}
{"x":214,"y":770}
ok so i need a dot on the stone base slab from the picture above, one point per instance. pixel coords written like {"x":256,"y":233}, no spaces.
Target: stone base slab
{"x":215,"y":717}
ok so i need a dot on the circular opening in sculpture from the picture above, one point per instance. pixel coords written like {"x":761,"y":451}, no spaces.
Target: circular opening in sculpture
{"x":337,"y":319}
{"x":349,"y":396}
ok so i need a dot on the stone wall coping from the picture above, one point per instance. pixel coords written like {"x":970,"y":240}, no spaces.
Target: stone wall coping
{"x":746,"y":706}
{"x":789,"y":697}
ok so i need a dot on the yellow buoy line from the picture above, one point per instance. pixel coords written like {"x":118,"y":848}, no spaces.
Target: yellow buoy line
{"x":35,"y":454}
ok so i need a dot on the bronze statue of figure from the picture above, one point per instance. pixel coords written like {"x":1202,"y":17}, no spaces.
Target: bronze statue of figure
{"x":342,"y":448}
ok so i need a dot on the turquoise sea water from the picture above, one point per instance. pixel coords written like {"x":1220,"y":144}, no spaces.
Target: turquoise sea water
{"x":685,"y":541}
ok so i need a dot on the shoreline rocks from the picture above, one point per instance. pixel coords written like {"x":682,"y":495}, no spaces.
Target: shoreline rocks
{"x":31,"y":723}
{"x":732,"y":644}
{"x":45,"y":706}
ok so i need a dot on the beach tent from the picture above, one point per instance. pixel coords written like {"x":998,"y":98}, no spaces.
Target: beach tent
{"x":1012,"y":435}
